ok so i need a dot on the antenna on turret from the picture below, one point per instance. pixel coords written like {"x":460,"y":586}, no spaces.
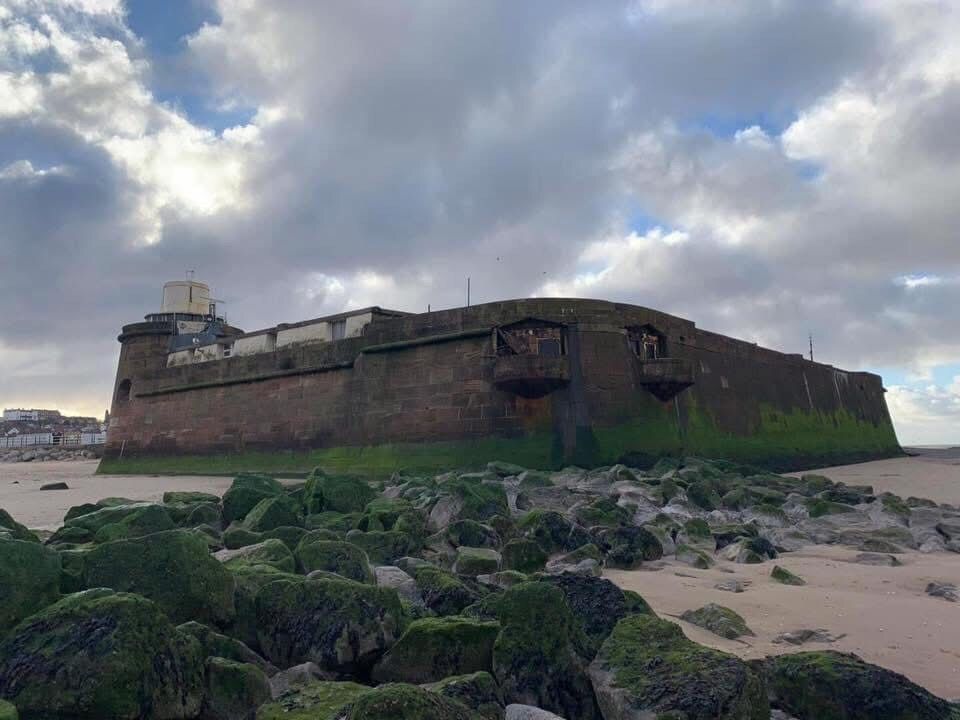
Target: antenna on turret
{"x":468,"y":291}
{"x":811,"y":347}
{"x":190,"y":274}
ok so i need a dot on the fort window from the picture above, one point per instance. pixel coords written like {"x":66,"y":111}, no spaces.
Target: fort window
{"x":530,"y":337}
{"x":123,"y":391}
{"x":647,"y":343}
{"x":338,"y":329}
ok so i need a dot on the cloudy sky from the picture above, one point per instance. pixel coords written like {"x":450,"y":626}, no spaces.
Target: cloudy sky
{"x":766,"y":168}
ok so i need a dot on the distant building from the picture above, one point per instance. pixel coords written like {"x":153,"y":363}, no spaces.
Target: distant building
{"x":31,"y":415}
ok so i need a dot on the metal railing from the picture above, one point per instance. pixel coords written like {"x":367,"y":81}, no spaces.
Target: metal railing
{"x":51,"y":440}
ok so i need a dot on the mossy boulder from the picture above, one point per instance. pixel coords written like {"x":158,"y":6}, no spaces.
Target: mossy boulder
{"x":467,"y":498}
{"x":29,"y":580}
{"x":407,"y":702}
{"x":318,"y":700}
{"x":443,"y":592}
{"x":830,"y":685}
{"x":431,"y":649}
{"x":393,"y":514}
{"x":342,"y":558}
{"x":237,"y":536}
{"x":383,"y":547}
{"x":472,"y":534}
{"x":15,"y":529}
{"x":523,"y":555}
{"x":189,"y":497}
{"x":102,"y":654}
{"x":273,"y":512}
{"x":602,"y":511}
{"x":340,"y":625}
{"x":245,"y":492}
{"x":478,"y":691}
{"x":172,"y":568}
{"x":337,"y":522}
{"x":597,"y":606}
{"x":785,"y":577}
{"x":234,"y":690}
{"x":535,"y":657}
{"x":215,"y":644}
{"x":473,"y":561}
{"x":703,"y":493}
{"x":248,"y":580}
{"x":819,"y":507}
{"x":636,"y":605}
{"x":119,"y":522}
{"x":648,"y":669}
{"x":552,"y":531}
{"x":8,"y":711}
{"x":335,"y":493}
{"x":268,"y":552}
{"x":693,"y":557}
{"x":719,"y":620}
{"x":627,"y":547}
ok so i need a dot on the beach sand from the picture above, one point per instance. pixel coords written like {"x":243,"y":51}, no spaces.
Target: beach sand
{"x":884,"y":612}
{"x":21,"y":496}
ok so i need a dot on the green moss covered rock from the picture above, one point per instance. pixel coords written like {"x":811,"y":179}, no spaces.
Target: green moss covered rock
{"x":29,"y":580}
{"x":628,"y":547}
{"x":245,"y":492}
{"x":342,"y":558}
{"x":248,"y":579}
{"x":15,"y":529}
{"x":535,"y":657}
{"x":431,"y":649}
{"x":473,"y":561}
{"x":602,"y":511}
{"x":785,"y":577}
{"x":703,"y":493}
{"x":340,"y":625}
{"x":693,"y":557}
{"x":597,"y":606}
{"x":818,"y":507}
{"x":648,"y":669}
{"x":407,"y":702}
{"x":268,"y":552}
{"x":334,"y":493}
{"x":467,"y":498}
{"x":215,"y":644}
{"x":523,"y":555}
{"x":472,"y":534}
{"x":552,"y":531}
{"x":189,"y":497}
{"x":443,"y":592}
{"x":172,"y":568}
{"x":234,"y":690}
{"x":102,"y":654}
{"x":318,"y":700}
{"x":384,"y":547}
{"x":273,"y":512}
{"x":119,"y":522}
{"x":719,"y":620}
{"x":478,"y":691}
{"x":8,"y":711}
{"x":838,"y":686}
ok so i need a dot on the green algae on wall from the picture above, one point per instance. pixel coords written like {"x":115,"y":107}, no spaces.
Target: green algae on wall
{"x":779,"y":441}
{"x":533,"y":451}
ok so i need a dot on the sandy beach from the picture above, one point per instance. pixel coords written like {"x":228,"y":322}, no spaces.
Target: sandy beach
{"x":883,"y":612}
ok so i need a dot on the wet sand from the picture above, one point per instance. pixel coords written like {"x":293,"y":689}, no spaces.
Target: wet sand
{"x":885,"y":613}
{"x":20,"y":493}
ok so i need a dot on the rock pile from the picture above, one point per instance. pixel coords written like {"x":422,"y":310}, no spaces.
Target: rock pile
{"x":474,"y":595}
{"x":47,"y":454}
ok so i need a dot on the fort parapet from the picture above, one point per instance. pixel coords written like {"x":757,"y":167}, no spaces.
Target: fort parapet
{"x":541,"y":382}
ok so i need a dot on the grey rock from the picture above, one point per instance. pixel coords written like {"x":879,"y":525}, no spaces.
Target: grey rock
{"x":528,"y":712}
{"x":947,"y":591}
{"x":285,"y":680}
{"x":732,"y":585}
{"x":879,"y":559}
{"x":390,"y":576}
{"x":799,"y":637}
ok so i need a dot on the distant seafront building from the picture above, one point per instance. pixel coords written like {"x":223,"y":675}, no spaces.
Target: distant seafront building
{"x":31,"y":415}
{"x":542,"y":382}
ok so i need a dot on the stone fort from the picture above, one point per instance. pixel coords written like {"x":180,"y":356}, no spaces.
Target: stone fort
{"x":540,"y":382}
